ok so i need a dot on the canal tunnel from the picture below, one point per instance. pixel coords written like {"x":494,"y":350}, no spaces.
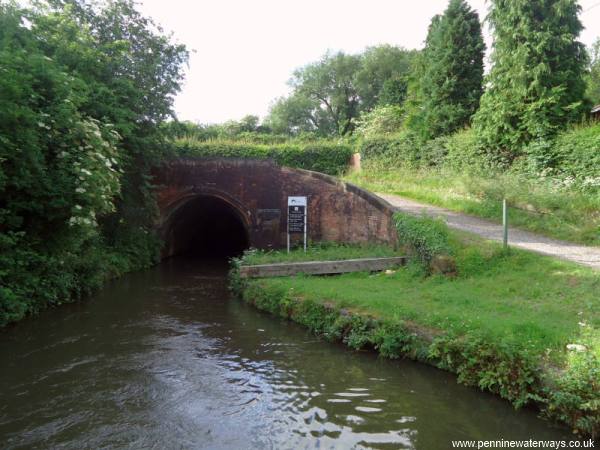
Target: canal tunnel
{"x":207,"y":226}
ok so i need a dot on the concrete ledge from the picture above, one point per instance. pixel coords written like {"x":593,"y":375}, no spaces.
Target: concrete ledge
{"x":321,"y":267}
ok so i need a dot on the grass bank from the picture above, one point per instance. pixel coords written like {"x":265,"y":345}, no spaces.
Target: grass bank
{"x":504,"y":323}
{"x":535,"y":204}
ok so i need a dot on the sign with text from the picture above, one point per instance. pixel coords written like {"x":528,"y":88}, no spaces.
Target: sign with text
{"x":297,"y":212}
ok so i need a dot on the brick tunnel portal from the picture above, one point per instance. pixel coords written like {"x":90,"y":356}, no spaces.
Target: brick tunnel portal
{"x":207,"y":226}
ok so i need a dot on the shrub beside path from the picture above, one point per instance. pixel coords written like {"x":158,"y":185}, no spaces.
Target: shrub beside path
{"x":581,"y":254}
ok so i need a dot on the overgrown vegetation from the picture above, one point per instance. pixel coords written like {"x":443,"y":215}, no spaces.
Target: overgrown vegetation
{"x":321,"y":156}
{"x":84,"y":90}
{"x":425,"y":237}
{"x":554,"y":190}
{"x":516,"y":324}
{"x":536,"y":85}
{"x":447,"y":81}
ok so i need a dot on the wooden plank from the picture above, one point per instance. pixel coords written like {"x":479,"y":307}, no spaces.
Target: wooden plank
{"x":321,"y":267}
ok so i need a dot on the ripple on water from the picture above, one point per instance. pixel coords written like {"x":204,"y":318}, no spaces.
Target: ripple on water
{"x":352,"y":394}
{"x":367,"y":409}
{"x":354,"y":420}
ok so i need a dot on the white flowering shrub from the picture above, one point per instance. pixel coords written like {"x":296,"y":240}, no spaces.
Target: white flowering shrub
{"x":94,"y":170}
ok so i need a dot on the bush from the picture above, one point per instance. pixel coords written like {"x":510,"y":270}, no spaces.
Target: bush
{"x":326,"y":157}
{"x":381,"y":120}
{"x":426,"y":237}
{"x":396,"y":151}
{"x":463,"y":153}
{"x":578,"y":155}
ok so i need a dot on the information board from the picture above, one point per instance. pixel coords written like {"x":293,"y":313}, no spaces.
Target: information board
{"x":297,"y":217}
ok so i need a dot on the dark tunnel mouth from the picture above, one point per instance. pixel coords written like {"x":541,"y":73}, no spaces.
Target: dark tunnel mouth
{"x":207,"y":227}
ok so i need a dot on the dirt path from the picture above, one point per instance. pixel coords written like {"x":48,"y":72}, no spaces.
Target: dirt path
{"x":589,"y":256}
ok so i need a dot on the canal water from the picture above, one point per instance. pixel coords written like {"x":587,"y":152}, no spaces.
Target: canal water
{"x":166,"y":359}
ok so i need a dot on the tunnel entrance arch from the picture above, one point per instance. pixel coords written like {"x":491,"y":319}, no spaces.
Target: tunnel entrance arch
{"x":208,"y":225}
{"x":256,"y":192}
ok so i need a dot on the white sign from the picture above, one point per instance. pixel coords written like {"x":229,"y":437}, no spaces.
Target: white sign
{"x":297,"y":218}
{"x":297,"y":201}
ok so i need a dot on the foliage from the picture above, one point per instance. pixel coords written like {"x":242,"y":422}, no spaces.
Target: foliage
{"x":400,"y":150}
{"x":450,"y":82}
{"x":245,"y":130}
{"x":426,"y":237}
{"x":380,"y":121}
{"x":404,"y":149}
{"x":381,"y":79}
{"x":321,"y":251}
{"x":84,"y":90}
{"x":496,"y":367}
{"x":541,"y":204}
{"x":576,"y":398}
{"x":572,"y":158}
{"x":593,"y":76}
{"x":326,"y":157}
{"x":299,"y":113}
{"x":329,"y":95}
{"x":502,"y":325}
{"x":553,"y":189}
{"x":535,"y":87}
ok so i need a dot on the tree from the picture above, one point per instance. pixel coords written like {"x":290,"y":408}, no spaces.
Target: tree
{"x":84,"y":92}
{"x":452,"y":73}
{"x":536,"y":84}
{"x":132,"y":71}
{"x":331,"y":84}
{"x":328,"y":96}
{"x":382,"y":76}
{"x":593,"y":76}
{"x":297,"y":114}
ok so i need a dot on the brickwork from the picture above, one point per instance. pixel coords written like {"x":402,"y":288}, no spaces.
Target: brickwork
{"x":257,"y":191}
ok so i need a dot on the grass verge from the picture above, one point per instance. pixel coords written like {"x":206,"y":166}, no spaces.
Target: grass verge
{"x":504,"y":323}
{"x":536,"y":205}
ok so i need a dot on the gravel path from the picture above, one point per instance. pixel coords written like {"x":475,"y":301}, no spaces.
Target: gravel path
{"x":589,"y":256}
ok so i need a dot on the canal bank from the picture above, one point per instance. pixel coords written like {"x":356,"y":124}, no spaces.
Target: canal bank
{"x":518,"y":325}
{"x":165,"y":358}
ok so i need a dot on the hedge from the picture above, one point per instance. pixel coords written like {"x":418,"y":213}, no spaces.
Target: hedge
{"x":326,"y":157}
{"x":573,"y":155}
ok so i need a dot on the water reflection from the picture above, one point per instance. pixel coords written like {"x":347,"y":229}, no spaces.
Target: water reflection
{"x":164,"y":359}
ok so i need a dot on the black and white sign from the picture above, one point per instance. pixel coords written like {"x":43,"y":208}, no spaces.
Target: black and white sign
{"x":297,"y":217}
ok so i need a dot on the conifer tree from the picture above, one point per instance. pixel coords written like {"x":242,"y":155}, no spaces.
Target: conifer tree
{"x":536,"y":85}
{"x":452,"y":71}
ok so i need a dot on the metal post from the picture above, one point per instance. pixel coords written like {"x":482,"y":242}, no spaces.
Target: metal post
{"x":505,"y":223}
{"x":305,"y":223}
{"x":288,"y":230}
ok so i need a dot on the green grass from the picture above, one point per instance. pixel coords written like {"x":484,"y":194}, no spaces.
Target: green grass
{"x":320,"y":252}
{"x":502,"y":324}
{"x":537,"y":205}
{"x":532,"y":302}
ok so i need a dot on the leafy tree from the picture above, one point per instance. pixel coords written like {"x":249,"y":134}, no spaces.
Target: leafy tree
{"x":331,"y":84}
{"x":382,"y":76}
{"x":132,"y":71}
{"x":328,"y":96}
{"x":381,"y":120}
{"x":593,"y":77}
{"x":536,"y":85}
{"x":299,"y":113}
{"x":84,"y":91}
{"x":393,"y":91}
{"x":451,"y":79}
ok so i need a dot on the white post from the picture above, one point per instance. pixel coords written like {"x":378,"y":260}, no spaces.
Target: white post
{"x":305,"y":223}
{"x":505,"y":223}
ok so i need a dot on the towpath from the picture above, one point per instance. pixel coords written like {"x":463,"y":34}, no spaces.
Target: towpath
{"x":581,"y":254}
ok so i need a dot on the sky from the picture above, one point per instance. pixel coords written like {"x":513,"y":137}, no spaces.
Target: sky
{"x":244,"y":51}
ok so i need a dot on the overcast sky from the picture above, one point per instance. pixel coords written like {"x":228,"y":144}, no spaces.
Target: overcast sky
{"x":244,"y":52}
